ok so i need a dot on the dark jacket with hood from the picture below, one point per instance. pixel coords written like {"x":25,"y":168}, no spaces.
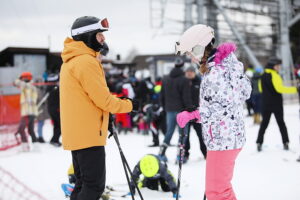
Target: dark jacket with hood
{"x":176,"y":91}
{"x":195,"y":90}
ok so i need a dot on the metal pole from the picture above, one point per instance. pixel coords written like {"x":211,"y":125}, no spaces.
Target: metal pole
{"x":284,"y":40}
{"x":237,"y":34}
{"x":188,"y":12}
{"x":294,"y":20}
{"x":200,"y":11}
{"x":212,"y":18}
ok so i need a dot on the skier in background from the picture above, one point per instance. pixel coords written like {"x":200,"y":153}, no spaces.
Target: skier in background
{"x":53,"y":108}
{"x":28,"y":101}
{"x":42,"y":110}
{"x":153,"y":118}
{"x":256,"y":95}
{"x":223,"y":91}
{"x":85,"y":104}
{"x":190,"y":73}
{"x":272,"y":88}
{"x":175,"y":97}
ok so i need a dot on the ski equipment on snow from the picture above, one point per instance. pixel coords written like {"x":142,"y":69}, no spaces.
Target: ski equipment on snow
{"x":67,"y":188}
{"x":124,"y":160}
{"x":181,"y":155}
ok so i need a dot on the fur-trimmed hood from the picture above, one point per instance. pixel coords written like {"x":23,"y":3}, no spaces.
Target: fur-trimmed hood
{"x":223,"y":51}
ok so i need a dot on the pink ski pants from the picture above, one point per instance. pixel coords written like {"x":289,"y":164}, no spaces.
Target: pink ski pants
{"x":219,"y":172}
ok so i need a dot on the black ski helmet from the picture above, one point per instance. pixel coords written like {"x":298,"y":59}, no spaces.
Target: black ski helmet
{"x":85,"y":29}
{"x":272,"y":62}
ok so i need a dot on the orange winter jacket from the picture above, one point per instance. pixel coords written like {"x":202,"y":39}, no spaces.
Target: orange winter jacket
{"x":85,"y":100}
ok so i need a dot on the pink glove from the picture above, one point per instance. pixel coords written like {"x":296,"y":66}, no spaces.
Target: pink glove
{"x":185,"y":117}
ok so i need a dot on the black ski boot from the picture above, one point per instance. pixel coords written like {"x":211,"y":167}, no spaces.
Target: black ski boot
{"x":41,"y":140}
{"x":286,"y":146}
{"x":259,"y":147}
{"x":56,"y":144}
{"x":154,"y":145}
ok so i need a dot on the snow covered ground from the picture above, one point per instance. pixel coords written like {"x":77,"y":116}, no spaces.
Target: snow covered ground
{"x":272,"y":174}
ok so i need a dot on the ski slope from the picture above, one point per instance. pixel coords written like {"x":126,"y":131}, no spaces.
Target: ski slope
{"x":272,"y":174}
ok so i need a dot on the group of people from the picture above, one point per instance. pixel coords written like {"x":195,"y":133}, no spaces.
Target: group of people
{"x":39,"y":101}
{"x":212,"y":104}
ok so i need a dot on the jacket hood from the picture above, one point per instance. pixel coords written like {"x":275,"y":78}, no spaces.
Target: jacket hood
{"x":176,"y":72}
{"x":74,"y":48}
{"x":223,"y":51}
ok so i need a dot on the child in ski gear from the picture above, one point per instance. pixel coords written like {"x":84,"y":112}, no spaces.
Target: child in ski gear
{"x":223,"y":91}
{"x":29,"y":110}
{"x":195,"y":81}
{"x":272,"y":89}
{"x":175,"y":96}
{"x":155,"y":172}
{"x":85,"y":104}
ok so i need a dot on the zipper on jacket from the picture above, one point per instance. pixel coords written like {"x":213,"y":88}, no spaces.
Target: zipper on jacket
{"x":210,"y":132}
{"x":100,"y":127}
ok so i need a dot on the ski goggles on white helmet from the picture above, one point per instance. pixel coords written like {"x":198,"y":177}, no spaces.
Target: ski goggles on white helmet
{"x":194,"y":40}
{"x":102,"y":25}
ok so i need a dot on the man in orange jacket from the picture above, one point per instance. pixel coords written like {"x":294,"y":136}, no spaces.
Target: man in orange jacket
{"x":85,"y":104}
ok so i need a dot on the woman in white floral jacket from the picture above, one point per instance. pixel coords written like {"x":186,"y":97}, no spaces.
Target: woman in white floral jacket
{"x":223,"y":91}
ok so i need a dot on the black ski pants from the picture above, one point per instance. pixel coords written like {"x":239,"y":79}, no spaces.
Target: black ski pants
{"x":153,"y":184}
{"x":55,"y":117}
{"x":90,"y":171}
{"x":187,"y":144}
{"x":266,"y":115}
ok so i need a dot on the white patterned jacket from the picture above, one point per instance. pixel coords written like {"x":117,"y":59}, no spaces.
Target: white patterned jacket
{"x":223,"y":91}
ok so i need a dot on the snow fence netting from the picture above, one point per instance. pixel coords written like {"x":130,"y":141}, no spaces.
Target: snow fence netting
{"x":13,"y":189}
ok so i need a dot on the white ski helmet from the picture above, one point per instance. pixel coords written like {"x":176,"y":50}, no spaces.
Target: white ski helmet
{"x":194,"y":40}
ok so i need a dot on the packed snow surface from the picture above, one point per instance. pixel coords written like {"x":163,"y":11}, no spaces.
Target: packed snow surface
{"x":272,"y":174}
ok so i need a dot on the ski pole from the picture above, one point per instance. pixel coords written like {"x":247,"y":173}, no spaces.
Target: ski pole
{"x":125,"y":164}
{"x":45,"y":97}
{"x":181,"y":154}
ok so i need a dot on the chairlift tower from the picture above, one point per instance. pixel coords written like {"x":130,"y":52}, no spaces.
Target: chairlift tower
{"x":260,"y":27}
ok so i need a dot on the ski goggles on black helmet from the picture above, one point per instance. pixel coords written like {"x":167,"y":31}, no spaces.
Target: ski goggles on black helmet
{"x":102,"y":26}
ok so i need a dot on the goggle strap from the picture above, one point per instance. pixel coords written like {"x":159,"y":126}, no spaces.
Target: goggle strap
{"x":88,"y":28}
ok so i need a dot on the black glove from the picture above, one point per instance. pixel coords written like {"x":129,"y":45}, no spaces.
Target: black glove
{"x":110,"y":125}
{"x":135,"y":104}
{"x":190,"y":108}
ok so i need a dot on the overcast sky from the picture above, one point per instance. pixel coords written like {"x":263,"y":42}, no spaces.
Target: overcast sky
{"x":29,"y":23}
